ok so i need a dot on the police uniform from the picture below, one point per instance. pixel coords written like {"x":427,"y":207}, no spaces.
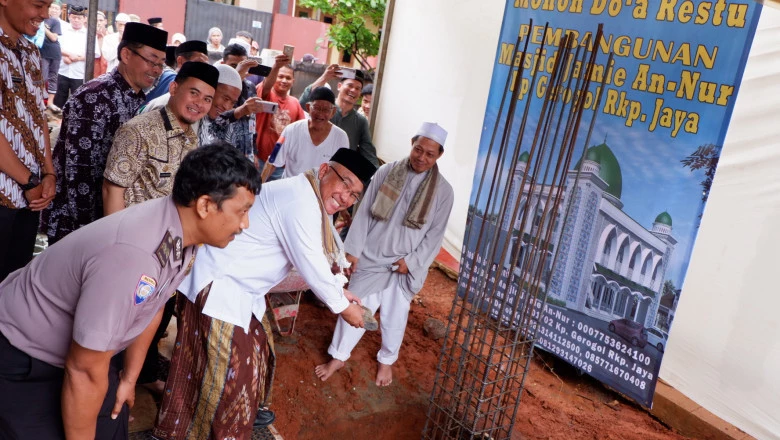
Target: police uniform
{"x":100,"y":286}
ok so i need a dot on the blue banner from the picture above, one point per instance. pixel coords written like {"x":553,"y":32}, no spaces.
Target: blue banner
{"x":623,"y":251}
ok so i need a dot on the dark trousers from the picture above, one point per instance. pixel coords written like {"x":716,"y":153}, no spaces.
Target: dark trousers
{"x":50,"y":68}
{"x":66,"y":87}
{"x":151,"y":369}
{"x":18,"y":228}
{"x":30,"y":392}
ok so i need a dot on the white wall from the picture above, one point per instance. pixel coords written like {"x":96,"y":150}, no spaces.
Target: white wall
{"x":437,"y":68}
{"x":724,"y":346}
{"x":257,"y":5}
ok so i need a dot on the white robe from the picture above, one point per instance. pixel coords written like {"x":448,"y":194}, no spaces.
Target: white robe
{"x":379,"y":244}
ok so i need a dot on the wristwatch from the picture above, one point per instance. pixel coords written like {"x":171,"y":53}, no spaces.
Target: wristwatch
{"x":32,"y":182}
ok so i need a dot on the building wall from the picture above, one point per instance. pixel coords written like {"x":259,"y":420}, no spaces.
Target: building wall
{"x":257,"y":5}
{"x":301,"y":33}
{"x":171,"y":11}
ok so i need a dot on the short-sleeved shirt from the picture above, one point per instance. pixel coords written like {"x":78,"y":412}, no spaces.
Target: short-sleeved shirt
{"x":21,"y":111}
{"x":270,"y":125}
{"x":298,"y":154}
{"x":74,"y":42}
{"x":91,"y":117}
{"x":100,"y":286}
{"x":51,"y":49}
{"x":146,"y":154}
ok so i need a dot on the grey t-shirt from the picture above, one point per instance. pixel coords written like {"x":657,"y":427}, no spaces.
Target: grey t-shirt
{"x":99,"y":286}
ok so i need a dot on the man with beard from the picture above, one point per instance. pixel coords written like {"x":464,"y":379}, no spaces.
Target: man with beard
{"x":308,"y":143}
{"x":347,"y":118}
{"x":91,"y":117}
{"x":397,"y":232}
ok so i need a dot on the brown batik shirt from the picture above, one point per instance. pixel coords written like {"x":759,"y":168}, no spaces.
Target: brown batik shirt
{"x":146,"y":154}
{"x":21,"y":112}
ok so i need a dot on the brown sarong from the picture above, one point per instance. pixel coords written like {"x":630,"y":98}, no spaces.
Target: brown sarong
{"x":219,"y":377}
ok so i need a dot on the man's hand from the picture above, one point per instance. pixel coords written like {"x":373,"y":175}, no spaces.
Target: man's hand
{"x":252,"y":105}
{"x":353,"y":260}
{"x":401,"y":266}
{"x":244,"y":66}
{"x":281,"y":61}
{"x":125,"y":393}
{"x":45,"y":193}
{"x":331,"y":72}
{"x":353,"y":315}
{"x":66,"y":59}
{"x":352,"y":298}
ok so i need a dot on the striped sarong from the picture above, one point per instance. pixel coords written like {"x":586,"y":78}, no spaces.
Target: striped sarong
{"x":219,"y":376}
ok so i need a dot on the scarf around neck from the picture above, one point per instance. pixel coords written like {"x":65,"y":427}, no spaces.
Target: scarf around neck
{"x":391,"y":188}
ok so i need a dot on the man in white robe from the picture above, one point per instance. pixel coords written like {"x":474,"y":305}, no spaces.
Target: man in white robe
{"x":396,"y":234}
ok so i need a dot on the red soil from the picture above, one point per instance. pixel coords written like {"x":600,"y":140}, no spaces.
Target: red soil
{"x":557,"y":403}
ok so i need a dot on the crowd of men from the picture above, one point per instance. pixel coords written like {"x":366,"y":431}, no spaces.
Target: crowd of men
{"x":177,"y":186}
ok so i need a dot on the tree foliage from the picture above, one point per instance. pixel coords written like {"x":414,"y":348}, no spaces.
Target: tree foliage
{"x":705,"y":157}
{"x":349,"y":31}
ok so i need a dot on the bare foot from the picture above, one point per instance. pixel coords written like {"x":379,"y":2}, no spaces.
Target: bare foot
{"x":384,"y":375}
{"x":324,"y":371}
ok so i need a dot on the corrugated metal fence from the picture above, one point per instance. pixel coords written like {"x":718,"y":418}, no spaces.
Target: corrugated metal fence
{"x":202,"y":15}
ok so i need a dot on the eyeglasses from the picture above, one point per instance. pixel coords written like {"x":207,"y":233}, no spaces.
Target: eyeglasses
{"x":321,"y":109}
{"x":149,"y":62}
{"x":354,"y":195}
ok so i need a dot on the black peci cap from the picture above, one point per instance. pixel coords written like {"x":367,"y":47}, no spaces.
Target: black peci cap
{"x":203,"y":71}
{"x":361,"y":167}
{"x":322,"y":94}
{"x":145,"y":34}
{"x":192,"y":46}
{"x":155,"y":20}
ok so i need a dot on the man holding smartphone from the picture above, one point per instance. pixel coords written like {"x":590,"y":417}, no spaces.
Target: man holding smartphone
{"x":276,"y":88}
{"x":347,"y":117}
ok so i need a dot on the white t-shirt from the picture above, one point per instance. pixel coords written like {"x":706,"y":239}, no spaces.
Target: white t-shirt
{"x":298,"y":153}
{"x":74,"y":42}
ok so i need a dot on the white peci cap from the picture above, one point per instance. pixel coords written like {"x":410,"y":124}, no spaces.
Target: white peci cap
{"x":433,"y":131}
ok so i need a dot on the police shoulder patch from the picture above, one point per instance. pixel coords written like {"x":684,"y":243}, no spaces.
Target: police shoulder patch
{"x":144,"y":289}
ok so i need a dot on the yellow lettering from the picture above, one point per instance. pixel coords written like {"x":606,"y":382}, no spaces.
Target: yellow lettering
{"x":507,"y":52}
{"x":666,"y":11}
{"x":737,"y":14}
{"x":688,"y":81}
{"x":640,"y":10}
{"x":640,"y":81}
{"x":684,"y":13}
{"x":725,"y":92}
{"x":683,"y":54}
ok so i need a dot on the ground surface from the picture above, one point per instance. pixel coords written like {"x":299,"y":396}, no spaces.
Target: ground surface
{"x":557,"y":404}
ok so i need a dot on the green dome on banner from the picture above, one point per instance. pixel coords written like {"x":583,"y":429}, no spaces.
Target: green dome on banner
{"x":524,"y":157}
{"x":609,"y":168}
{"x":664,"y":218}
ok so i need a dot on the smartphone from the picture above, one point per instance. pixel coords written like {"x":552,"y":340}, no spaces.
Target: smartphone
{"x":288,"y":50}
{"x":347,"y":73}
{"x":260,"y":70}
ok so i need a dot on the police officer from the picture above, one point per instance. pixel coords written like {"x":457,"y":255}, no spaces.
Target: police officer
{"x":76,"y":322}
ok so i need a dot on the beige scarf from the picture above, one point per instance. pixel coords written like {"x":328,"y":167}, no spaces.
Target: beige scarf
{"x":332,"y":246}
{"x":391,"y":188}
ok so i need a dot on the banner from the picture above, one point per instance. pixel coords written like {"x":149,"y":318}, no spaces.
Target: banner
{"x":623,"y":251}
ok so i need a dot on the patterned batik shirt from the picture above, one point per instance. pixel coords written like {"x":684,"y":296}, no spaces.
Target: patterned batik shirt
{"x":237,"y":132}
{"x":91,"y":117}
{"x":21,"y":112}
{"x":146,"y":154}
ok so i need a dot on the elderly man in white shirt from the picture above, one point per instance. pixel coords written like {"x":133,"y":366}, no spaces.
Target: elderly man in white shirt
{"x":223,"y":299}
{"x":73,"y":43}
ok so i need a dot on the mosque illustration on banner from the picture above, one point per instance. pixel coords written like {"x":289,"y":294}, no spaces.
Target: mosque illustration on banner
{"x":610,"y":266}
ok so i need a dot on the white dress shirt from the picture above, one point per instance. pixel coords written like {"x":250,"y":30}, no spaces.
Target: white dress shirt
{"x":285,"y":230}
{"x":74,"y":42}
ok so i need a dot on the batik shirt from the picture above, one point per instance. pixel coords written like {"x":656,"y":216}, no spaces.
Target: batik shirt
{"x":21,"y":113}
{"x":237,"y":132}
{"x":91,"y":117}
{"x":147,"y":153}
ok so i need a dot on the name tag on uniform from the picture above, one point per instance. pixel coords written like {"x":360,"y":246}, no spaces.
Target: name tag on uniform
{"x":144,"y":289}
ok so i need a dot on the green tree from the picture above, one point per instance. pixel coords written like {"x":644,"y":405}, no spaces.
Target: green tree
{"x":705,"y":157}
{"x":349,"y":31}
{"x":668,"y":288}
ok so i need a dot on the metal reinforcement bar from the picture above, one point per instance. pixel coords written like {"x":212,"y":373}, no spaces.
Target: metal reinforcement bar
{"x":494,"y":319}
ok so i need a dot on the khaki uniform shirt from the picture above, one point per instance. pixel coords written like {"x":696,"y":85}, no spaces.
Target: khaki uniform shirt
{"x":100,"y":286}
{"x":146,"y":154}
